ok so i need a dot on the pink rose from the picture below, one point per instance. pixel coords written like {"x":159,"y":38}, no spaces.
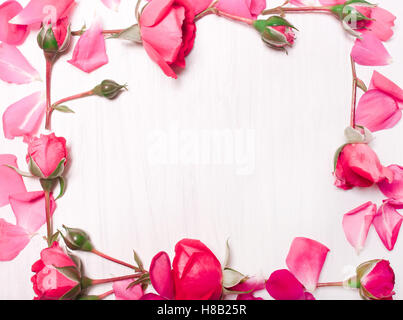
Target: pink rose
{"x":168,"y":32}
{"x":376,"y":280}
{"x":48,"y":153}
{"x":57,"y":276}
{"x":55,"y":38}
{"x":359,"y":166}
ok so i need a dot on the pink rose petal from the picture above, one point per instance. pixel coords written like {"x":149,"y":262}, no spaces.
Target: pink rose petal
{"x":30,"y":210}
{"x":90,"y":51}
{"x":388,"y":221}
{"x":356,"y":224}
{"x":156,"y":57}
{"x":122,"y":292}
{"x":387,"y":86}
{"x":112,"y":4}
{"x":161,"y":275}
{"x":24,"y":117}
{"x":305,"y":261}
{"x":253,"y":285}
{"x":369,"y":51}
{"x":393,"y":190}
{"x":382,"y":24}
{"x":14,"y":68}
{"x":283,"y":285}
{"x":243,"y":8}
{"x":152,"y":296}
{"x":10,"y":181}
{"x":11,"y":33}
{"x":13,"y":239}
{"x":155,"y":11}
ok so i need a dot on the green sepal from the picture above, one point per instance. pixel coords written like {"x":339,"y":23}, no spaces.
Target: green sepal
{"x":64,"y":109}
{"x":337,"y":155}
{"x":70,"y":272}
{"x":20,"y":172}
{"x":276,"y":21}
{"x":48,"y":184}
{"x":145,"y":278}
{"x":72,"y":294}
{"x":77,"y":239}
{"x":227,"y":254}
{"x":49,"y":42}
{"x":86,"y":282}
{"x":138,"y":260}
{"x":62,"y":185}
{"x":231,"y":278}
{"x":59,"y":170}
{"x":88,"y":298}
{"x":34,"y":169}
{"x":54,"y":237}
{"x":131,"y":34}
{"x":353,"y":283}
{"x":274,"y":38}
{"x":226,"y":291}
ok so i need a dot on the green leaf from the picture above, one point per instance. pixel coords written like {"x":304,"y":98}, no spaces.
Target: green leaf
{"x":64,"y":109}
{"x":62,"y":184}
{"x":138,"y":260}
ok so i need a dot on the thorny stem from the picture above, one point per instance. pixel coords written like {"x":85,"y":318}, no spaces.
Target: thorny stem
{"x":74,"y":97}
{"x":354,"y":94}
{"x":281,"y":10}
{"x":108,"y":280}
{"x":103,"y":255}
{"x":48,"y":217}
{"x":330,"y":284}
{"x":105,"y":295}
{"x":49,"y":110}
{"x":105,"y":32}
{"x":213,"y":10}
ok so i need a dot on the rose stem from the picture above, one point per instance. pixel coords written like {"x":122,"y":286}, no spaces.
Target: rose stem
{"x":49,"y":67}
{"x":48,"y":217}
{"x":74,"y":97}
{"x":330,"y":284}
{"x":108,"y":280}
{"x":102,"y":255}
{"x":80,"y":32}
{"x":217,"y":12}
{"x":280,"y":10}
{"x":354,"y":95}
{"x":105,"y":295}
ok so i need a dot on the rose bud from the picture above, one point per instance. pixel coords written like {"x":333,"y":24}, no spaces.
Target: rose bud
{"x":375,"y":279}
{"x":77,"y":239}
{"x":276,"y":32}
{"x":197,"y":272}
{"x":357,"y":165}
{"x":57,"y":275}
{"x":108,"y":89}
{"x":47,"y":156}
{"x":55,"y":38}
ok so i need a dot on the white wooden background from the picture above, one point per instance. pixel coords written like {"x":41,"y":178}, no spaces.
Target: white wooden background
{"x":295,"y":108}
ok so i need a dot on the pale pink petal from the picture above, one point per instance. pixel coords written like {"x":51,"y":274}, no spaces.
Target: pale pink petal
{"x":305,"y":261}
{"x":30,"y":210}
{"x":243,"y":8}
{"x":155,"y":11}
{"x":90,"y":51}
{"x":331,"y":2}
{"x":39,"y":10}
{"x":356,"y":224}
{"x":369,"y":51}
{"x":112,"y":4}
{"x":14,"y":68}
{"x":161,"y":275}
{"x":152,"y":296}
{"x":388,"y":221}
{"x":11,"y":33}
{"x":123,"y":292}
{"x":10,"y":181}
{"x":382,"y":83}
{"x":393,"y":190}
{"x":155,"y":56}
{"x":24,"y":117}
{"x":377,"y":111}
{"x":12,"y":240}
{"x":283,"y":285}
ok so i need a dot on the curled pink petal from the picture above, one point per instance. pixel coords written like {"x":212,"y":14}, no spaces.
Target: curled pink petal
{"x":381,"y":25}
{"x":380,"y":82}
{"x":155,"y":56}
{"x":283,"y":285}
{"x":393,"y":190}
{"x":377,"y":111}
{"x":11,"y":33}
{"x":30,"y":209}
{"x":243,"y":8}
{"x":369,"y":51}
{"x":24,"y":117}
{"x":123,"y":292}
{"x":388,"y":221}
{"x":305,"y":261}
{"x":155,"y":11}
{"x":40,"y":10}
{"x":12,"y":240}
{"x":90,"y":51}
{"x":14,"y":68}
{"x":161,"y":275}
{"x":112,"y":4}
{"x":356,"y":224}
{"x":251,"y":285}
{"x":10,"y":181}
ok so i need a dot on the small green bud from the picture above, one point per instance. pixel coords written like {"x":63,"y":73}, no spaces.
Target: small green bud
{"x":51,"y":44}
{"x":108,"y":89}
{"x":77,"y":239}
{"x":276,"y":32}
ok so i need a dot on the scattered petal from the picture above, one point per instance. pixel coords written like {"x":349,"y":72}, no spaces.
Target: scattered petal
{"x":10,"y":181}
{"x":161,"y":275}
{"x":12,"y":240}
{"x":112,"y":4}
{"x":369,"y":51}
{"x":387,"y":86}
{"x":123,"y":292}
{"x":283,"y":285}
{"x":393,"y":190}
{"x":11,"y":33}
{"x":253,"y":285}
{"x":243,"y":8}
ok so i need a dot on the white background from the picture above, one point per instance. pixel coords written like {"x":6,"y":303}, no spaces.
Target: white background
{"x":297,"y":105}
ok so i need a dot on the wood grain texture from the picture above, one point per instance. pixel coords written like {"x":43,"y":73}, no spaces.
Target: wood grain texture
{"x":295,"y":106}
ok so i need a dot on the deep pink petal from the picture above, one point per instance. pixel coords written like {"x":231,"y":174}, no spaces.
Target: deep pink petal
{"x":380,"y":281}
{"x":155,"y":11}
{"x":377,"y":111}
{"x":154,"y":55}
{"x":12,"y":240}
{"x":29,"y":209}
{"x":161,"y":275}
{"x":90,"y":51}
{"x":369,"y":51}
{"x":14,"y":67}
{"x":10,"y":181}
{"x":253,"y":285}
{"x":112,"y":4}
{"x":39,"y":10}
{"x":356,"y":224}
{"x":393,"y":190}
{"x":305,"y":261}
{"x":200,"y":5}
{"x":387,"y":86}
{"x":24,"y":117}
{"x":122,"y":292}
{"x":388,"y":221}
{"x":382,"y":23}
{"x":11,"y":33}
{"x":152,"y":296}
{"x":243,"y":8}
{"x":283,"y":285}
{"x":56,"y":257}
